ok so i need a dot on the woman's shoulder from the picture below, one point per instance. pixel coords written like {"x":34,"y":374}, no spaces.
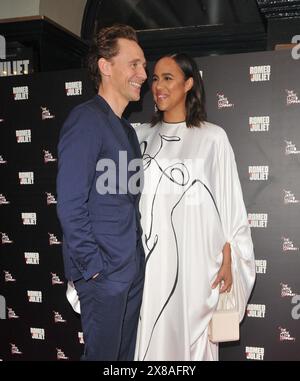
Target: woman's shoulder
{"x":214,"y":131}
{"x":143,"y":130}
{"x":141,"y":126}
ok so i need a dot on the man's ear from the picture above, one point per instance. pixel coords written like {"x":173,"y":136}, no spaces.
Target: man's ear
{"x":189,"y":84}
{"x":104,"y":66}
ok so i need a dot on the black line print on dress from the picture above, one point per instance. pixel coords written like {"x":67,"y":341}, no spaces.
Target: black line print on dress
{"x":164,"y":173}
{"x":148,"y":159}
{"x":183,"y":183}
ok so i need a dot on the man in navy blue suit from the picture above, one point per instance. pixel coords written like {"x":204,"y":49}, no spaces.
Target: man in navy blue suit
{"x":97,"y":207}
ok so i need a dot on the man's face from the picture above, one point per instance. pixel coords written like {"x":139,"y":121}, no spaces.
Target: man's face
{"x":128,"y":71}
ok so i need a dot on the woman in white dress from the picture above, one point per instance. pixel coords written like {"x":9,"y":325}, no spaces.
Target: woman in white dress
{"x":195,"y":229}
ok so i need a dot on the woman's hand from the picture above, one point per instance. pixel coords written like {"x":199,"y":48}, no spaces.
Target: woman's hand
{"x":224,"y":276}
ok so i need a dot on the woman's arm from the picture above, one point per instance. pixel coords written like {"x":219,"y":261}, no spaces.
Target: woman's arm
{"x":224,"y":277}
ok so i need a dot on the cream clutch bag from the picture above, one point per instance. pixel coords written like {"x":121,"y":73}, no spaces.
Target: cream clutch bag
{"x":224,"y":325}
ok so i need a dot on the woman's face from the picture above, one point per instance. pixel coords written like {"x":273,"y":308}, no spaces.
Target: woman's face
{"x":169,"y":87}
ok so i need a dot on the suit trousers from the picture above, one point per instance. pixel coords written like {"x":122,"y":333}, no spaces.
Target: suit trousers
{"x":109,"y":314}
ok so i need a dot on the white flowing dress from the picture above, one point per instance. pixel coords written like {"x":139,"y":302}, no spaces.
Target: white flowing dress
{"x":191,"y":205}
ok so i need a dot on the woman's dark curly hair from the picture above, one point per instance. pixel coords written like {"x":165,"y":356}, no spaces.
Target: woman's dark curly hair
{"x":195,"y":99}
{"x":105,"y":45}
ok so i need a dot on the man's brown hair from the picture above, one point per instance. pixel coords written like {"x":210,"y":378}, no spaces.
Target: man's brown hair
{"x":105,"y":45}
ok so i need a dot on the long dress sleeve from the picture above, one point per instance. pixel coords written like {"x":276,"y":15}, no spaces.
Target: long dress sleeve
{"x":235,"y":224}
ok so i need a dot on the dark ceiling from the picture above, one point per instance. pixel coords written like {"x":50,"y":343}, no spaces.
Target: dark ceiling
{"x":199,"y":27}
{"x":279,"y":8}
{"x":156,"y":14}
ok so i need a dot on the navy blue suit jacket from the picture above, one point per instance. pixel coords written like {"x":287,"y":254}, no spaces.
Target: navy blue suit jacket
{"x":100,"y":230}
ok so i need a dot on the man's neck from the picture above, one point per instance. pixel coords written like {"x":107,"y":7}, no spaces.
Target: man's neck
{"x":117,"y":105}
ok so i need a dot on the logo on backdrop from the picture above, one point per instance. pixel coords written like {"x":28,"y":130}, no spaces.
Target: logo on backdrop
{"x":10,"y":68}
{"x":37,"y":333}
{"x":58,"y":318}
{"x":8,"y":277}
{"x":26,"y":178}
{"x":50,"y":199}
{"x":29,"y":218}
{"x":256,"y":310}
{"x":48,"y":157}
{"x":53,"y":240}
{"x":223,"y":101}
{"x":288,"y":245}
{"x":260,"y":73}
{"x":46,"y":114}
{"x":60,"y":355}
{"x":2,"y":161}
{"x":32,"y":258}
{"x":292,"y":97}
{"x":56,"y":279}
{"x":21,"y":93}
{"x":80,"y":338}
{"x":286,"y":290}
{"x":34,"y":296}
{"x":258,"y":172}
{"x":258,"y":220}
{"x":3,"y":200}
{"x":254,"y":353}
{"x":261,"y":266}
{"x":284,"y":335}
{"x":73,"y":88}
{"x":23,"y":136}
{"x":11,"y":314}
{"x":15,"y":350}
{"x":290,"y":148}
{"x":259,"y":123}
{"x":289,"y":197}
{"x":5,"y":239}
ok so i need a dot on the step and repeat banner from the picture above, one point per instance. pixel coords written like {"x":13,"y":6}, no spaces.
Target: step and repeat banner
{"x":255,"y":98}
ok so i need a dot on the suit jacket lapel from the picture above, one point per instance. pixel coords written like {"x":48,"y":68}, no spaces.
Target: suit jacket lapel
{"x":115,"y":124}
{"x":118,"y":131}
{"x":134,"y":143}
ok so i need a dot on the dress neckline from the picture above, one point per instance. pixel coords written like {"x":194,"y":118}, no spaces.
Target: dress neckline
{"x":171,"y":124}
